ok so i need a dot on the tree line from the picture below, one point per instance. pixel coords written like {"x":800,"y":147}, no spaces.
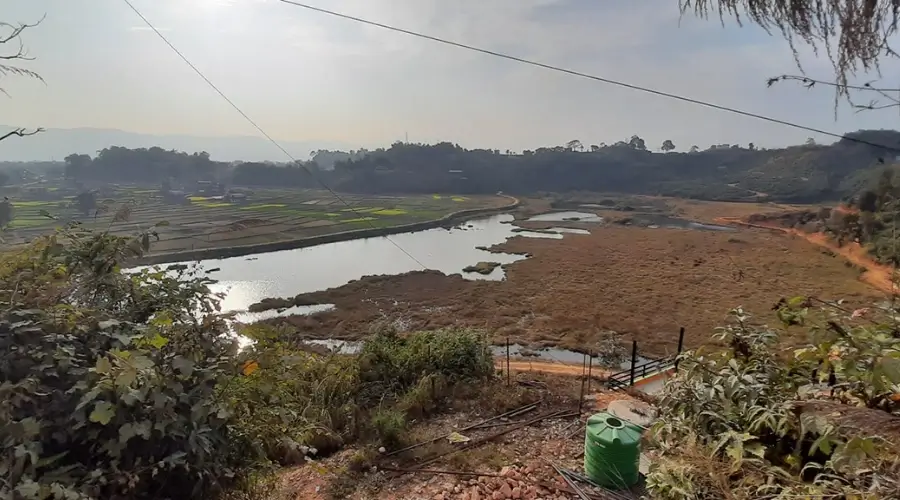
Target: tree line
{"x":803,"y":173}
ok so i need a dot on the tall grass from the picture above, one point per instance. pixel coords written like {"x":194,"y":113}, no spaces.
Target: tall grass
{"x":299,"y":403}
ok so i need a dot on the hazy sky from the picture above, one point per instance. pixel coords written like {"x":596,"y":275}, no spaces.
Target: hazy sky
{"x":306,"y":76}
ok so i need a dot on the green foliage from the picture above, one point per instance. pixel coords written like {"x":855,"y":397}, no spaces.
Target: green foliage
{"x":736,"y":423}
{"x":294,"y":404}
{"x":389,"y":425}
{"x":399,"y":362}
{"x":108,"y":380}
{"x":126,"y":385}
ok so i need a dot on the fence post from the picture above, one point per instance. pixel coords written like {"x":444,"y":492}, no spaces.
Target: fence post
{"x":590,"y":366}
{"x":583,"y":372}
{"x":633,"y":359}
{"x":680,"y":346}
{"x":508,"y":382}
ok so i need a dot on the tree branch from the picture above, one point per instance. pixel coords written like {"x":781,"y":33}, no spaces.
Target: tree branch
{"x":811,"y":82}
{"x":21,"y":132}
{"x":13,"y":34}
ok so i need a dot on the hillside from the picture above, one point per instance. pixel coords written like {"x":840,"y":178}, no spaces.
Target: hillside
{"x":808,"y":173}
{"x":799,"y":173}
{"x":57,"y":143}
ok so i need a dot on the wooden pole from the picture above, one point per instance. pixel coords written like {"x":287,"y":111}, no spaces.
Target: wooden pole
{"x":680,"y":345}
{"x":633,"y":359}
{"x":508,"y":380}
{"x":590,"y":366}
{"x":583,"y":371}
{"x":432,"y":377}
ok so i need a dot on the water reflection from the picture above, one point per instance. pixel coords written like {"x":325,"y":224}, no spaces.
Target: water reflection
{"x":290,"y":272}
{"x":517,"y":351}
{"x":569,"y":215}
{"x":656,"y":221}
{"x":253,"y":317}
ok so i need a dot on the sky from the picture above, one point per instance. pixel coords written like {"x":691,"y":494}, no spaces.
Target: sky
{"x":306,"y":76}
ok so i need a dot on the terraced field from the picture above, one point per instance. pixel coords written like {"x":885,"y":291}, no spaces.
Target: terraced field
{"x":266,"y":216}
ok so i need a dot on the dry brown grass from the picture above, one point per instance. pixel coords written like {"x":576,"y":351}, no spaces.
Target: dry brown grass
{"x":643,"y":282}
{"x":708,"y":211}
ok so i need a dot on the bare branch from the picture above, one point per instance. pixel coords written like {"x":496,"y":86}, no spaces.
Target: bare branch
{"x":13,"y":34}
{"x":21,"y":132}
{"x":855,"y":34}
{"x":811,"y":82}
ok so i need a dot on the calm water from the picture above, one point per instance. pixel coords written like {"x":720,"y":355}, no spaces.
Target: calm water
{"x":557,"y":233}
{"x":562,"y":216}
{"x":253,"y":317}
{"x":676,"y":223}
{"x":249,"y":279}
{"x":516,"y":351}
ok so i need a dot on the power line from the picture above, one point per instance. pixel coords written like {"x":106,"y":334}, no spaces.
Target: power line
{"x":586,"y":75}
{"x":263,"y":132}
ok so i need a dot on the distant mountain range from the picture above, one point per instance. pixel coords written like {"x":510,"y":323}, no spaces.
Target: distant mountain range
{"x":56,"y":144}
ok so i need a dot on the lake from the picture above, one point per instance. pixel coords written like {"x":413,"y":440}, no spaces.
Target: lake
{"x":248,"y":279}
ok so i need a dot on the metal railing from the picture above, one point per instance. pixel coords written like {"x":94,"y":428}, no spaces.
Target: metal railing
{"x":627,"y":378}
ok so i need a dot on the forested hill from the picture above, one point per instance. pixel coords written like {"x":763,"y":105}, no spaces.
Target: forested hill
{"x":800,"y":173}
{"x":804,"y":173}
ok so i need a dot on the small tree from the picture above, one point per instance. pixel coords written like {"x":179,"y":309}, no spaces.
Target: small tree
{"x":637,"y":143}
{"x":86,"y":201}
{"x":667,"y":146}
{"x":574,"y":145}
{"x":694,"y":149}
{"x":6,"y":212}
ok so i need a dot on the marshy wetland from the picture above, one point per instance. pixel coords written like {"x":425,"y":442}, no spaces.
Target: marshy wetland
{"x":567,"y":287}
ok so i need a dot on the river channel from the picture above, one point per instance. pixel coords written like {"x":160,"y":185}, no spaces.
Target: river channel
{"x":248,"y":279}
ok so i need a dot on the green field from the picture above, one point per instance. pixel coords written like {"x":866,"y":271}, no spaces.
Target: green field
{"x":267,"y":215}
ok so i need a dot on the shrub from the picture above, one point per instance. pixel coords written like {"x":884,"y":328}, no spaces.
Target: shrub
{"x":294,"y":403}
{"x":297,"y":403}
{"x":116,"y":385}
{"x":108,"y":381}
{"x":400,"y":361}
{"x":389,"y":425}
{"x":744,"y":423}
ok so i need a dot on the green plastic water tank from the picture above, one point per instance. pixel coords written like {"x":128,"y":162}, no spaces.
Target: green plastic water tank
{"x":612,"y":451}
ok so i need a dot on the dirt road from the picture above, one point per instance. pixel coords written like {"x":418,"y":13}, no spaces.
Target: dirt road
{"x":547,"y":367}
{"x":877,"y":275}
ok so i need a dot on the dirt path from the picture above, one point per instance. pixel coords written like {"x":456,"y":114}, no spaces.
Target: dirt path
{"x":877,"y":275}
{"x":547,"y":367}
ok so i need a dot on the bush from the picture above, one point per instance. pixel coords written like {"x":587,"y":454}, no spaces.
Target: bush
{"x":296,"y":403}
{"x":400,"y":361}
{"x":108,"y":381}
{"x":389,"y":425}
{"x":117,"y":385}
{"x":745,"y":423}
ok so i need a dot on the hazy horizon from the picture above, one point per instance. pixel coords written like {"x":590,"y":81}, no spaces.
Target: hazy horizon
{"x":307,"y":78}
